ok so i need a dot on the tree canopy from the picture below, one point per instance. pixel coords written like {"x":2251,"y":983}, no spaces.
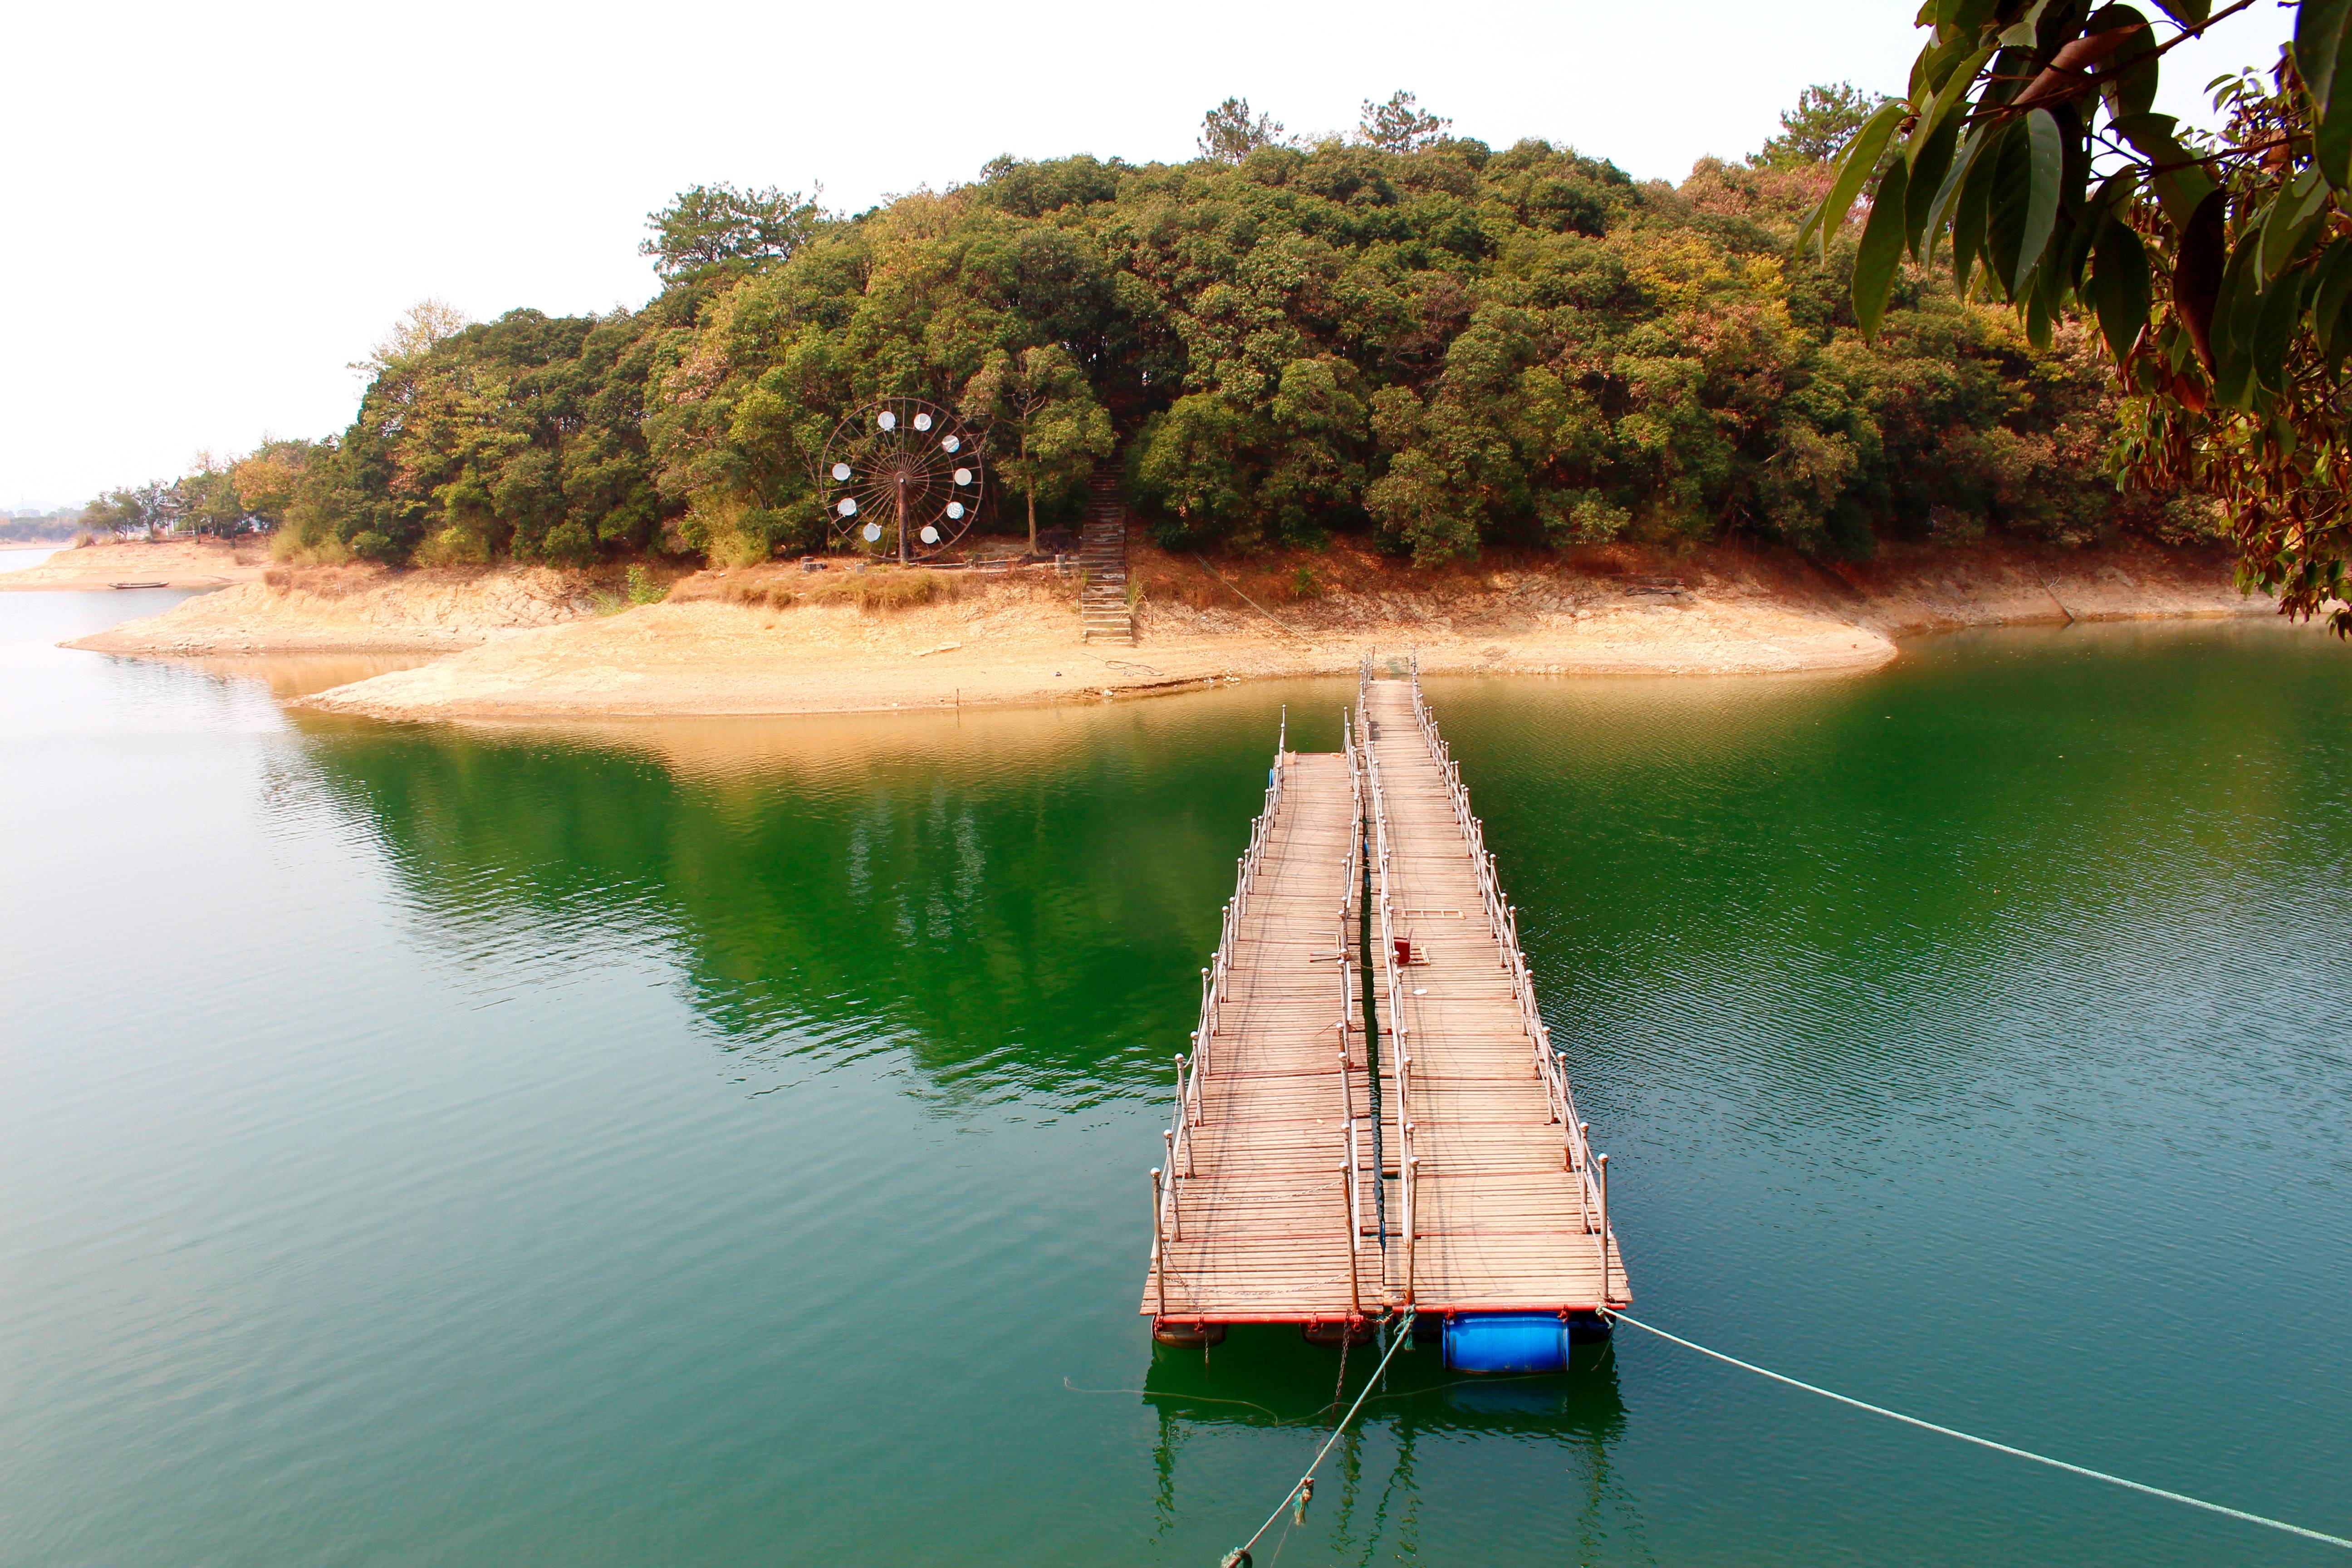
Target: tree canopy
{"x":2028,"y":154}
{"x":712,"y":226}
{"x":1229,"y":135}
{"x":1402,"y":334}
{"x":1819,"y":127}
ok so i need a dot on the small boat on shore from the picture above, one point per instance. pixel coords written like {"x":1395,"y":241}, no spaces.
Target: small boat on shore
{"x":141,"y":585}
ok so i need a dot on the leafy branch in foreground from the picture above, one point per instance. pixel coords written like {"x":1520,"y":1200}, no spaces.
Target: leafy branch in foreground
{"x":2028,"y":152}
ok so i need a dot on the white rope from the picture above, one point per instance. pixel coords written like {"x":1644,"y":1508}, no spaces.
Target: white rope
{"x":1989,"y":1443}
{"x":1404,"y":1336}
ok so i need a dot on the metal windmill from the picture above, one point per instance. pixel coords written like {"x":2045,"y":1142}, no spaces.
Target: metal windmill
{"x":904,"y":475}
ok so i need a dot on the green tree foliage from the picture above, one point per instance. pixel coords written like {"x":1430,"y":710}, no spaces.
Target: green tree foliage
{"x":1401,"y":125}
{"x":1819,"y":127}
{"x":133,"y":508}
{"x":207,"y":501}
{"x":412,"y":336}
{"x":2027,"y":152}
{"x":253,"y":493}
{"x":719,"y":228}
{"x":269,"y":480}
{"x":519,"y":436}
{"x":1406,"y":336}
{"x":1047,"y":425}
{"x":1229,"y":135}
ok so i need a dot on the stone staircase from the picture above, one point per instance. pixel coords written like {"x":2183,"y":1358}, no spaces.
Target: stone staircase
{"x":1102,"y":609}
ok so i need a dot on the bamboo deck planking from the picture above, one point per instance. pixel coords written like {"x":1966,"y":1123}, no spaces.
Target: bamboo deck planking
{"x":1271,"y":1212}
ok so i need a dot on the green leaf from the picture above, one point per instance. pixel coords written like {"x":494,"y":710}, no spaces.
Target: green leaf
{"x":2046,"y":155}
{"x":2119,"y":286}
{"x":2069,"y":251}
{"x":2188,"y":12}
{"x":2037,"y":318}
{"x":2237,"y":308}
{"x":2274,"y":330}
{"x":1948,"y":106}
{"x":2129,"y":81}
{"x":2291,"y":217}
{"x":2050,"y":283}
{"x":1933,"y":72}
{"x":1973,"y":217}
{"x":1924,"y":183}
{"x":2021,"y":34}
{"x":2115,"y":191}
{"x":2319,"y":27}
{"x":1948,"y":192}
{"x":2332,"y":141}
{"x":2335,"y":274}
{"x":2181,"y":188}
{"x":2233,"y":383}
{"x":1854,"y":166}
{"x":1882,"y":249}
{"x":2011,"y":196}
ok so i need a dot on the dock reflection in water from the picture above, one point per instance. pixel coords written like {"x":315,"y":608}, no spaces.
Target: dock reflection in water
{"x":1262,"y":1378}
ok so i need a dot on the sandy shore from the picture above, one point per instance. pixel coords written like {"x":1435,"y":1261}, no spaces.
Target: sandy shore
{"x":361,"y":609}
{"x":537,"y":645}
{"x":167,"y":562}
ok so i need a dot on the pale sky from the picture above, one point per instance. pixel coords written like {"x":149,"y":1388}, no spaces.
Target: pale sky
{"x":207,"y":212}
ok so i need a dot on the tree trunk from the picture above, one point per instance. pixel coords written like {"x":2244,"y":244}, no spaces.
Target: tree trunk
{"x":1032,"y":494}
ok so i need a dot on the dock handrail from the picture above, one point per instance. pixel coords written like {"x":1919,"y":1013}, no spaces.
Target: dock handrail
{"x":1503,"y":917}
{"x":1398,"y":1032}
{"x":1214,"y":978}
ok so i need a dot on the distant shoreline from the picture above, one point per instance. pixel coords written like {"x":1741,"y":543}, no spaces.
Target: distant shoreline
{"x":537,"y":644}
{"x":169,"y":563}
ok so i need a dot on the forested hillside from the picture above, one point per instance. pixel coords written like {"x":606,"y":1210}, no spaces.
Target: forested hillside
{"x":1404,"y":334}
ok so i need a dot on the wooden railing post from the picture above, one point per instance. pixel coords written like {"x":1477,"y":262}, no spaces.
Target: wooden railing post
{"x":1159,"y":1247}
{"x":1602,"y":1160}
{"x":1346,"y":1213}
{"x":1175,"y":1221}
{"x":1412,"y":1217}
{"x":1185,"y":1117}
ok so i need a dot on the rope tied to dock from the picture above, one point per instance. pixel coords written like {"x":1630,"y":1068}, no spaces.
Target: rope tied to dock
{"x":1984,"y":1442}
{"x":1239,"y":1557}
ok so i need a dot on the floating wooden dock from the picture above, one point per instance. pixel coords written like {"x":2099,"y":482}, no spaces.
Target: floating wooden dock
{"x":1318,"y":1174}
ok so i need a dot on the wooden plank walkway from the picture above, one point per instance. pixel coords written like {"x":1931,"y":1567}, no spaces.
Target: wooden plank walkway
{"x":1279,"y":1200}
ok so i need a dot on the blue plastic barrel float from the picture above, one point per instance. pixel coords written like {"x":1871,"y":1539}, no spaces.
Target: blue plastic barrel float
{"x":1507,"y":1341}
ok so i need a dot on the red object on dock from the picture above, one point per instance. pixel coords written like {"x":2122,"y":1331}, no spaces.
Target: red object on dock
{"x":1403,"y":951}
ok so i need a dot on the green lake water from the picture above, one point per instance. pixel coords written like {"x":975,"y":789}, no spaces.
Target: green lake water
{"x":725,"y":1143}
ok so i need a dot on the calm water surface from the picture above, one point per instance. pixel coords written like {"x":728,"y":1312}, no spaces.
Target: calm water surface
{"x":724,"y":1144}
